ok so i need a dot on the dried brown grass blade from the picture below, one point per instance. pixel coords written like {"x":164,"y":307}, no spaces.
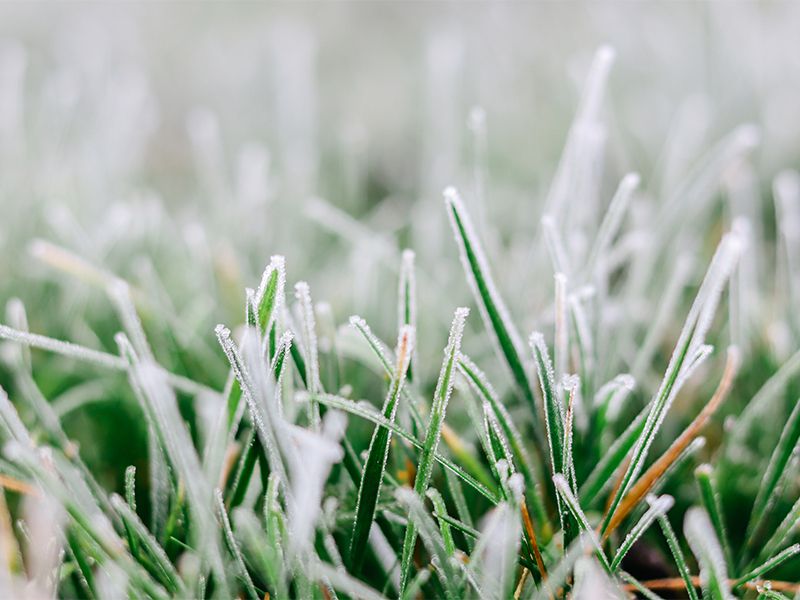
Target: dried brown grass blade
{"x":658,"y":468}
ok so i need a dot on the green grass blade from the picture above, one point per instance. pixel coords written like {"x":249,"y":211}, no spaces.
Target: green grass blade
{"x":553,"y":408}
{"x":483,"y":388}
{"x":776,"y":469}
{"x":366,"y":411}
{"x":407,"y":302}
{"x":164,"y":570}
{"x":440,"y":510}
{"x":677,"y":554}
{"x":711,"y":502}
{"x":375,"y":464}
{"x":658,"y":508}
{"x":767,"y":566}
{"x":492,"y":308}
{"x":441,"y":396}
{"x":233,"y":545}
{"x":573,"y":507}
{"x":789,"y":524}
{"x":433,"y":541}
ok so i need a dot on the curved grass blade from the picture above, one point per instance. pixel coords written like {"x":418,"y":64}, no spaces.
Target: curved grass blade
{"x":441,"y":396}
{"x":375,"y":464}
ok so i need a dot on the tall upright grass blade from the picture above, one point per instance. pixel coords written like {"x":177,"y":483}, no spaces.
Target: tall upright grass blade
{"x":492,"y":308}
{"x":441,"y":396}
{"x":375,"y":464}
{"x":407,"y":301}
{"x":709,"y":495}
{"x":677,"y":554}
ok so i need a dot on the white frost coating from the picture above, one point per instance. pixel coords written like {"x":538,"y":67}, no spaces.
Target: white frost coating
{"x":112,"y":583}
{"x":539,"y":346}
{"x":658,"y":508}
{"x":688,"y":349}
{"x":276,"y":263}
{"x":17,"y":317}
{"x":303,"y":295}
{"x":428,"y":531}
{"x":786,"y":189}
{"x":561,"y":345}
{"x":611,"y":223}
{"x":495,"y":556}
{"x":232,"y":542}
{"x":592,"y":583}
{"x":10,"y":419}
{"x":556,"y":576}
{"x":120,"y":293}
{"x":584,"y":140}
{"x":311,"y":456}
{"x":615,"y":392}
{"x":64,"y":348}
{"x":183,"y":456}
{"x":706,"y":547}
{"x":555,"y":245}
{"x":377,"y":345}
{"x":441,"y":397}
{"x":386,"y":555}
{"x":341,"y":580}
{"x":45,"y":518}
{"x":563,"y":488}
{"x":457,"y":212}
{"x":259,"y":393}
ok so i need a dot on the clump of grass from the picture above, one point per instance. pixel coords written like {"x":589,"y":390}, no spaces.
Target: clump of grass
{"x":310,"y":464}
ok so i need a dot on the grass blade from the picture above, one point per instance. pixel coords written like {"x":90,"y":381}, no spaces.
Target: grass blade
{"x":704,"y":543}
{"x":711,"y":502}
{"x":658,"y":508}
{"x":677,"y":554}
{"x":441,"y":396}
{"x":375,"y":464}
{"x":688,"y":351}
{"x":776,"y":469}
{"x":492,"y":308}
{"x":767,"y":566}
{"x":574,"y":508}
{"x":660,"y":467}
